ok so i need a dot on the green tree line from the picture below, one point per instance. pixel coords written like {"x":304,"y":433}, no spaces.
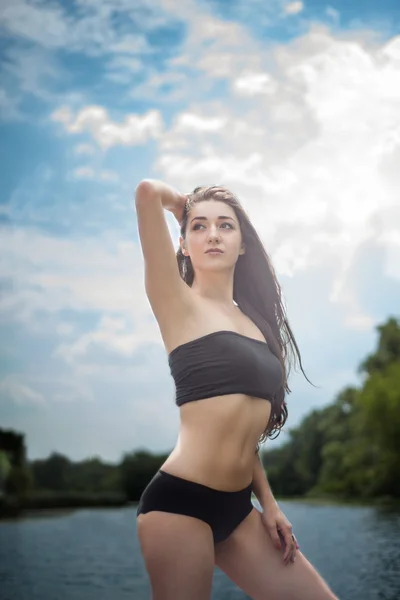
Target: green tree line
{"x":349,"y":449}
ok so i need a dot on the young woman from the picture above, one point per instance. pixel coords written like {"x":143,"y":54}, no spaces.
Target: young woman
{"x":218,"y":305}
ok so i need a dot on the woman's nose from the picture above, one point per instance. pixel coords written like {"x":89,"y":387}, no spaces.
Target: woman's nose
{"x":214,"y":233}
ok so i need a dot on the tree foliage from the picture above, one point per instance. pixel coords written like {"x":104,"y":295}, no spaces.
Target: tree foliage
{"x":350,"y":448}
{"x":15,"y":475}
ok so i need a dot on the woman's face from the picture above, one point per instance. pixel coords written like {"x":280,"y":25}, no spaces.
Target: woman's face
{"x":212,"y":224}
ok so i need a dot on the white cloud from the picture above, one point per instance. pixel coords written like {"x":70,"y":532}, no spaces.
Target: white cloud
{"x":134,"y":130}
{"x":123,"y":69}
{"x":91,"y":173}
{"x":392,"y":49}
{"x":390,"y":239}
{"x":212,"y":47}
{"x":16,"y":391}
{"x":9,"y":110}
{"x":114,"y":335}
{"x":42,"y":389}
{"x":39,"y":29}
{"x":110,"y":176}
{"x":62,"y":115}
{"x":46,"y":25}
{"x":103,"y":275}
{"x":309,"y":143}
{"x":32,"y":72}
{"x":171,"y":86}
{"x":80,"y":148}
{"x":192,"y":122}
{"x":359,"y":322}
{"x":84,"y":173}
{"x":50,"y":274}
{"x":314,"y":160}
{"x":90,"y":29}
{"x":333,"y":14}
{"x":293,"y":8}
{"x":250,"y":84}
{"x":130,"y":44}
{"x":65,"y":329}
{"x":61,"y":391}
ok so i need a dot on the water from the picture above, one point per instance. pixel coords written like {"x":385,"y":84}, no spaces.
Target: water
{"x":94,"y":554}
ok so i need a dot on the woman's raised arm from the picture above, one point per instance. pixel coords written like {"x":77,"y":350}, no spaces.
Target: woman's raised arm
{"x":166,"y":290}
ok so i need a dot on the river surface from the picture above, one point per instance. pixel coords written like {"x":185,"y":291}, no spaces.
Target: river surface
{"x":94,"y":554}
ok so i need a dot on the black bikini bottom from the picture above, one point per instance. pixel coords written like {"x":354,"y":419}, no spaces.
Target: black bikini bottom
{"x":222,"y":511}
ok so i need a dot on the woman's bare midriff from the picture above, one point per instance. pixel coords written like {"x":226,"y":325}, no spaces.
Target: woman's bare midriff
{"x":217,"y":441}
{"x":217,"y":436}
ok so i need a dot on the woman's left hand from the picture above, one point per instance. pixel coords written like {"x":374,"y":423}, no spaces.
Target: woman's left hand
{"x":280,"y":530}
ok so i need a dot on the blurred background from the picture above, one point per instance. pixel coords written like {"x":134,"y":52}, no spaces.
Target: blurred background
{"x":295,"y":106}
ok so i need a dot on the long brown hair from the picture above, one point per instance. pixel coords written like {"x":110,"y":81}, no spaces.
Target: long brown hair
{"x":257,"y":292}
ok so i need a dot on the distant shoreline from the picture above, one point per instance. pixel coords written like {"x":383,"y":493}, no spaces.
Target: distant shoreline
{"x":373,"y":502}
{"x":48,"y":503}
{"x":55,"y":511}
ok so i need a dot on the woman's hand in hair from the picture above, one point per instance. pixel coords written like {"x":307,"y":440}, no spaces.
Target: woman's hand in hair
{"x":171,"y":199}
{"x":178,"y":209}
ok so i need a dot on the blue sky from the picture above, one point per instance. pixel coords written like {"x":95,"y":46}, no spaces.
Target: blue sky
{"x":293,"y":105}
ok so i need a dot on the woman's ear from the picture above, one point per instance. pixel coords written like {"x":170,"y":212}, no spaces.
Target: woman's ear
{"x":183,"y":246}
{"x":242,"y":249}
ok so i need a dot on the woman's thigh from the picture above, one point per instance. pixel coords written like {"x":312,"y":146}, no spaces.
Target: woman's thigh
{"x":249,"y":558}
{"x":178,"y":552}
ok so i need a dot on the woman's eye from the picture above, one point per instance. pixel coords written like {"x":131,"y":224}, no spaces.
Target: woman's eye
{"x":200,"y":225}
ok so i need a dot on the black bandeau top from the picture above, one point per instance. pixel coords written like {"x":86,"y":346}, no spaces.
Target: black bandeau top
{"x":221,"y":363}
